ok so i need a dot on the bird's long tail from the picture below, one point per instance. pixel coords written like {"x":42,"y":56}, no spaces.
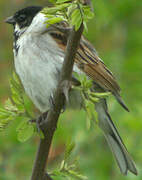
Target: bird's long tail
{"x":114,"y":140}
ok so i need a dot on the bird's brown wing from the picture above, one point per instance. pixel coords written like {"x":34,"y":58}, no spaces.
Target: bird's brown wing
{"x":89,"y":62}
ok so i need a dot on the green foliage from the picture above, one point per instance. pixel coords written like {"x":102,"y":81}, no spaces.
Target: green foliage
{"x":6,"y":116}
{"x":69,"y":148}
{"x":25,"y":130}
{"x":68,"y":170}
{"x":116,"y":34}
{"x":89,"y":97}
{"x":73,"y":13}
{"x":53,"y":20}
{"x":76,"y":18}
{"x":17,"y":107}
{"x":61,"y":1}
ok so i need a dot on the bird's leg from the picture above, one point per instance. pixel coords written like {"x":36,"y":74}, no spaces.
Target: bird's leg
{"x":65,"y":87}
{"x":41,"y":119}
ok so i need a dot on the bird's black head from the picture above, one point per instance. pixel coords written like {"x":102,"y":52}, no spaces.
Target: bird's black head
{"x":24,"y":16}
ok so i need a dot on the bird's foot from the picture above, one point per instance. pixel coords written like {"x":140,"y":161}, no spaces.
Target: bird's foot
{"x":41,"y":119}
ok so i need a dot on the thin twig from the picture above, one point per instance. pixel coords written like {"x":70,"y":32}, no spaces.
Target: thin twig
{"x":50,"y":124}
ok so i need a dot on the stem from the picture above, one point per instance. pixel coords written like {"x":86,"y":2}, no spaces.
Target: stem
{"x":48,"y":127}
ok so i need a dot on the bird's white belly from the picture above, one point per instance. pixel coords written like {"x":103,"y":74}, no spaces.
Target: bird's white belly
{"x":38,"y":63}
{"x":38,"y":68}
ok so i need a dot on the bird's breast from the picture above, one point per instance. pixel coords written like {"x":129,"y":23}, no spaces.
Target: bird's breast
{"x":38,"y":66}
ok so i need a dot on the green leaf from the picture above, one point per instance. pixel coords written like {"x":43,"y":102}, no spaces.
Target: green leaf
{"x":69,"y":148}
{"x":71,"y":8}
{"x":85,"y":82}
{"x":7,"y":116}
{"x":15,"y":83}
{"x":5,"y":122}
{"x":100,"y":95}
{"x":25,"y":130}
{"x":58,"y":175}
{"x":9,"y":106}
{"x":76,"y":175}
{"x":88,"y":14}
{"x":88,"y":122}
{"x":53,"y":20}
{"x":85,"y":28}
{"x":90,"y":109}
{"x":67,"y":174}
{"x":17,"y":92}
{"x":76,"y":18}
{"x":95,"y":114}
{"x":28,"y":107}
{"x":93,"y":99}
{"x":53,"y":10}
{"x":61,"y":1}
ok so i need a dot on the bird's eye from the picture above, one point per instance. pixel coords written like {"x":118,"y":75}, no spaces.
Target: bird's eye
{"x":22,"y":17}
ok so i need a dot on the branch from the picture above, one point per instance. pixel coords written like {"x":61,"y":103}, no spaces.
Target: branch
{"x":48,"y":127}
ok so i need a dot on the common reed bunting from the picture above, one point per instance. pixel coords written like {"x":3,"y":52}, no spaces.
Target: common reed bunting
{"x":38,"y":56}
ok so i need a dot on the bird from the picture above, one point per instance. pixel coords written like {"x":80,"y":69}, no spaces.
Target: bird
{"x":38,"y":58}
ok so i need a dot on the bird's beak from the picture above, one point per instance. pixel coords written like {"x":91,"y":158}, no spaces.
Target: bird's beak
{"x":10,"y":20}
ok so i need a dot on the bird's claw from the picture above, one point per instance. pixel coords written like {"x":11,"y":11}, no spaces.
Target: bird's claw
{"x":41,"y":119}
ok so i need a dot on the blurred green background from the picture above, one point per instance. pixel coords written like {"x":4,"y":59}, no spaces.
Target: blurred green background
{"x":116,"y":32}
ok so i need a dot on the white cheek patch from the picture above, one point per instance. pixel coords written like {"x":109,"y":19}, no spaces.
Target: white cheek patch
{"x":38,"y":24}
{"x":17,"y":28}
{"x":19,"y":31}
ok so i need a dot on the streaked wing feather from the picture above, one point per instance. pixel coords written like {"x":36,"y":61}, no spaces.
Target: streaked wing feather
{"x":89,"y":62}
{"x":94,"y":67}
{"x":101,"y":77}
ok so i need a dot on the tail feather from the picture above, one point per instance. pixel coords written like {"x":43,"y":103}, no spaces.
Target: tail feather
{"x":114,"y":140}
{"x":120,"y":101}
